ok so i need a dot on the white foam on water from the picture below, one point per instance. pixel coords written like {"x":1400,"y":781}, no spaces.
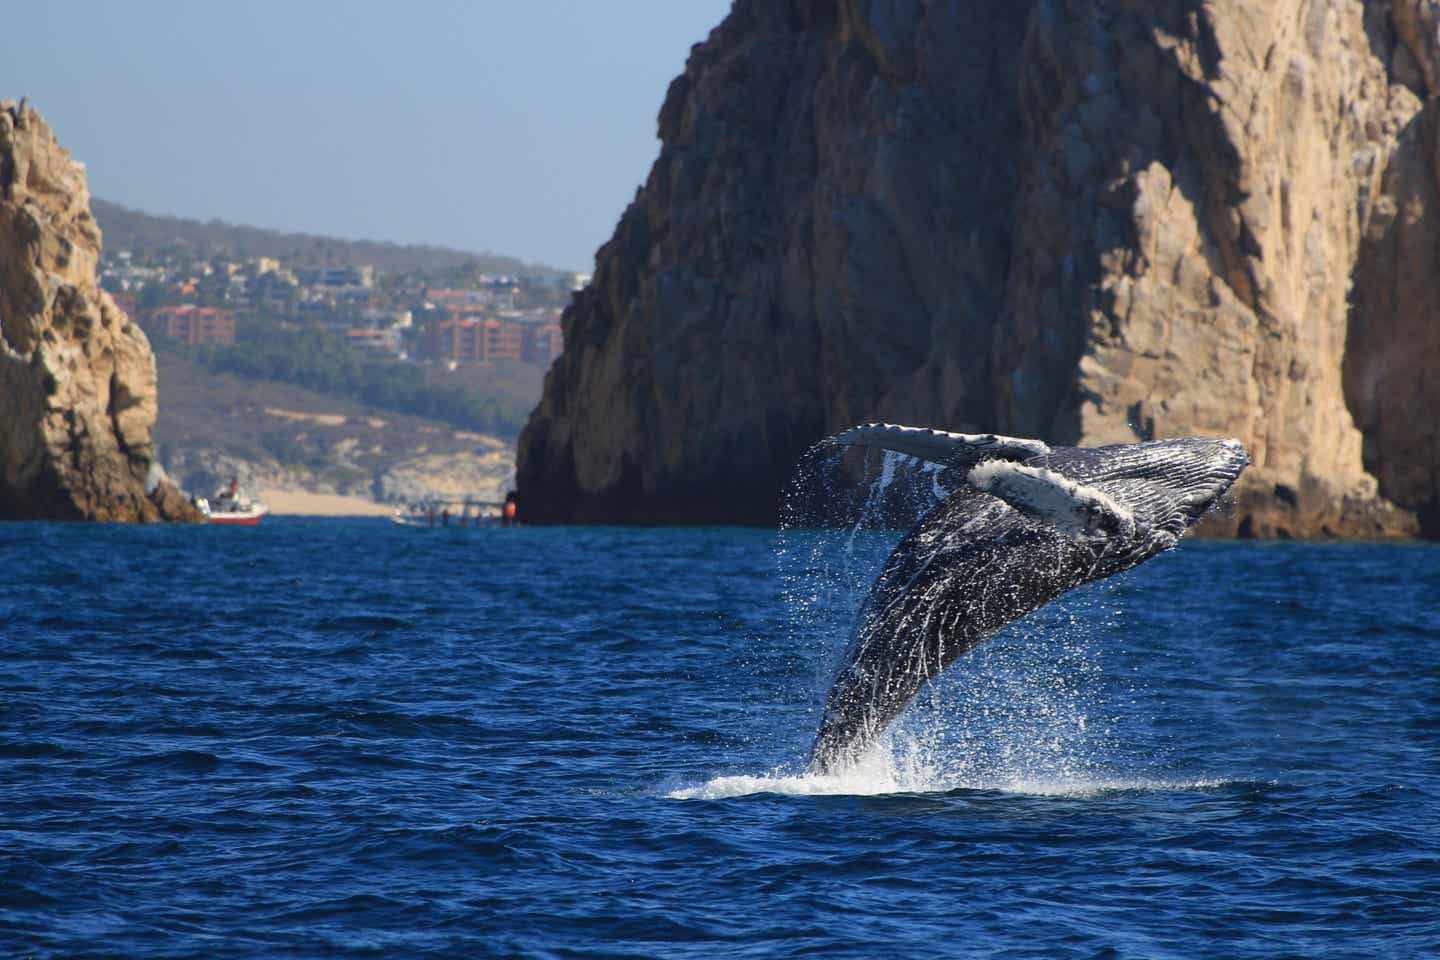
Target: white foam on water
{"x":877,"y":773}
{"x":881,"y":774}
{"x":875,"y":781}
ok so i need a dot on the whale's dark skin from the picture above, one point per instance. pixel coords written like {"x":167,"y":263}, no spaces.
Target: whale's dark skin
{"x":976,"y":563}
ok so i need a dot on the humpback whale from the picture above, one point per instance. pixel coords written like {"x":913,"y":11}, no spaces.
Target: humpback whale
{"x":1025,"y":523}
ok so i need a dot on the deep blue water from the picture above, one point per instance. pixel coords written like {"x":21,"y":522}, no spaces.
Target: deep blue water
{"x":349,"y":739}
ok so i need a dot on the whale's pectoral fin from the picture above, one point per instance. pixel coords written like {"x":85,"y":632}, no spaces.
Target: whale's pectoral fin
{"x":940,"y":446}
{"x":1047,"y":497}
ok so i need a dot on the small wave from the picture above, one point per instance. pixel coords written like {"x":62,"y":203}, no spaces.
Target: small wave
{"x":31,"y":750}
{"x":1107,"y":787}
{"x":376,"y":624}
{"x":186,"y":761}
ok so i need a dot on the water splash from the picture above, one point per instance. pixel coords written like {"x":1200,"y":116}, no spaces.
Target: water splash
{"x":836,"y":530}
{"x":1029,"y":707}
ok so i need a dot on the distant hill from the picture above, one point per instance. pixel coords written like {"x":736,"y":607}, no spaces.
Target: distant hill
{"x":493,"y":399}
{"x":277,"y":436}
{"x":144,"y":234}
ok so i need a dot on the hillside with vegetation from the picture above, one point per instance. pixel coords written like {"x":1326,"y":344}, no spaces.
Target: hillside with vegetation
{"x":494,"y":399}
{"x":148,"y":235}
{"x":270,"y":435}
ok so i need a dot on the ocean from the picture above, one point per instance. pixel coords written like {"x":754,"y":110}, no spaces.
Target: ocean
{"x":345,"y":738}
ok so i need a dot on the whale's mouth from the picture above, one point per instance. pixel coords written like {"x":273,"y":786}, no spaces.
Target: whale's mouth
{"x":1216,"y":465}
{"x":1167,"y":484}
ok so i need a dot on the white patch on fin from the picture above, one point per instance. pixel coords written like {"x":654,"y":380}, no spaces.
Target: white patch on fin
{"x":940,"y":446}
{"x":1044,"y":495}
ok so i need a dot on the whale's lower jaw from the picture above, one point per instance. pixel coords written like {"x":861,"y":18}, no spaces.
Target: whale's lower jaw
{"x":1015,"y":537}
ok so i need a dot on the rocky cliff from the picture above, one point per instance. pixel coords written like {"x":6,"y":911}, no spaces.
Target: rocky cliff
{"x":77,"y":378}
{"x":1088,"y":222}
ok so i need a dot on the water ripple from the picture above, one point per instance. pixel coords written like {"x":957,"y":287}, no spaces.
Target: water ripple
{"x":592,"y":743}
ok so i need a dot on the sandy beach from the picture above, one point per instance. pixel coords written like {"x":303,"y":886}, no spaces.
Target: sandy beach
{"x":301,"y":503}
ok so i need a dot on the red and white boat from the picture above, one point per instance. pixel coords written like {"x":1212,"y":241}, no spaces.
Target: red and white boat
{"x":232,"y":505}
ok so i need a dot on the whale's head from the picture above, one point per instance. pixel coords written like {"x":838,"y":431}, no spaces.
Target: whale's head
{"x":1167,"y":485}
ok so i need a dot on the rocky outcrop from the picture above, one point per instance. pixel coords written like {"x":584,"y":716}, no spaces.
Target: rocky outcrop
{"x":77,"y":377}
{"x":1083,"y":221}
{"x":1394,"y":338}
{"x":1196,"y":185}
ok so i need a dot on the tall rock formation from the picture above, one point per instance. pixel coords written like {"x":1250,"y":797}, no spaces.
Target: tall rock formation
{"x":1089,"y":222}
{"x":77,"y":378}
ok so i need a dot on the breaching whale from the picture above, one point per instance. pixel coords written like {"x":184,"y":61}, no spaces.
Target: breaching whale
{"x":1025,"y":523}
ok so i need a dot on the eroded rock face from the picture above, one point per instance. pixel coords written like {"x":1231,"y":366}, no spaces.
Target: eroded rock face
{"x":1394,"y":342}
{"x":77,"y":378}
{"x":1088,"y":222}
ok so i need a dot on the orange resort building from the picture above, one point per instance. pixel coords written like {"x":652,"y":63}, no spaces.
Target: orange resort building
{"x":194,"y":324}
{"x":473,"y":340}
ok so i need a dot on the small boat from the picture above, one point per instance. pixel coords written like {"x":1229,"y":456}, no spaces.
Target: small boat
{"x":232,"y":505}
{"x":464,"y":512}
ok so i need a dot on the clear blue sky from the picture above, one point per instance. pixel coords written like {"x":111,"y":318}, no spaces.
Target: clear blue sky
{"x":519,"y":127}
